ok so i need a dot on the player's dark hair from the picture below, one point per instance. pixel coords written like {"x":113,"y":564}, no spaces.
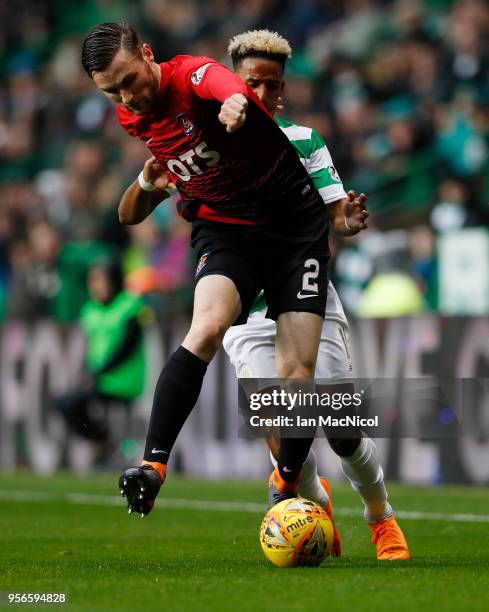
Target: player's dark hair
{"x":103,"y":43}
{"x":238,"y":57}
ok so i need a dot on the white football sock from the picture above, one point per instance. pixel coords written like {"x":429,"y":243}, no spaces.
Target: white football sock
{"x":364,"y":472}
{"x":310,"y":486}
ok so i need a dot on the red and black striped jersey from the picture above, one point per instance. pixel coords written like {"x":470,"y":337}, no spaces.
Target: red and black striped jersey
{"x":249,"y":176}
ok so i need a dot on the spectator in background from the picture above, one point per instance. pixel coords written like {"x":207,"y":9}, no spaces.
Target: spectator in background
{"x":353,"y":267}
{"x":34,"y":281}
{"x":450,"y":212}
{"x":115,"y":365}
{"x":424,"y":263}
{"x":159,"y":260}
{"x":375,"y":277}
{"x":390,"y":294}
{"x":399,"y":90}
{"x":74,"y":262}
{"x":6,"y":233}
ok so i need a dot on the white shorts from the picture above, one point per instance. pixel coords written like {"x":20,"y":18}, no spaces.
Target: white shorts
{"x":251,"y":348}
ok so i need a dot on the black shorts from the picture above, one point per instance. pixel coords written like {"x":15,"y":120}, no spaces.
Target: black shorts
{"x":287,"y":259}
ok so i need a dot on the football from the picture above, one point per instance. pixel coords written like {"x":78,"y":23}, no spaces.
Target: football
{"x":296,"y":532}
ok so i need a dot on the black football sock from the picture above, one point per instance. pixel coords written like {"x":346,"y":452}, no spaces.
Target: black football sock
{"x":176,"y":393}
{"x":293,"y":453}
{"x":345,"y":447}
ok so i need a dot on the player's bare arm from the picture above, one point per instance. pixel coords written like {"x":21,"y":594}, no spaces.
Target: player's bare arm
{"x":349,"y":215}
{"x":233,"y":112}
{"x":138,"y":203}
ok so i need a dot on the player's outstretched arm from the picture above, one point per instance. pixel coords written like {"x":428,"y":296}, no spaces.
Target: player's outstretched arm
{"x":349,"y":215}
{"x":143,"y":195}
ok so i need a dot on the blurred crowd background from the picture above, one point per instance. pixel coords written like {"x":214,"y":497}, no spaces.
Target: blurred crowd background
{"x":399,"y":91}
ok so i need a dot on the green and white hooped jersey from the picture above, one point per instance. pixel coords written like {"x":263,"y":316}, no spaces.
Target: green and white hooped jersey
{"x":316,"y":159}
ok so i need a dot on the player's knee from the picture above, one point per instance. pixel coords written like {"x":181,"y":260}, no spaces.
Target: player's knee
{"x":207,"y":335}
{"x":344,"y":447}
{"x":292,"y":368}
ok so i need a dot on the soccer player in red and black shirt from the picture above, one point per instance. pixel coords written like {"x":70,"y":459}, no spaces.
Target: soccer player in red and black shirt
{"x":258,"y":222}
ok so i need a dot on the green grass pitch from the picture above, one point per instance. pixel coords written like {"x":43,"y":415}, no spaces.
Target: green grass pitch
{"x":199,"y":550}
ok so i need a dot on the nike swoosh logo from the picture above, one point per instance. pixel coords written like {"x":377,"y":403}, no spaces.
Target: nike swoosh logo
{"x":155,"y":450}
{"x":286,"y":469}
{"x":148,"y":141}
{"x":303,"y":297}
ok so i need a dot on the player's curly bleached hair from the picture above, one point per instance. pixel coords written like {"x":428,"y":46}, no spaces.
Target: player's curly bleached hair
{"x":259,"y":43}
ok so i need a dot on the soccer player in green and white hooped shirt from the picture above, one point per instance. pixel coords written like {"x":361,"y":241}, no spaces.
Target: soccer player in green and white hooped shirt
{"x":259,"y":57}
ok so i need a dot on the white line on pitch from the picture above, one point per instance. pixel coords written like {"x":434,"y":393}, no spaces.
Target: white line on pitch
{"x":212,"y":505}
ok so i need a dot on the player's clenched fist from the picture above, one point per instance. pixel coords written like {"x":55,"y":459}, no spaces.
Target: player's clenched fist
{"x":233,"y":112}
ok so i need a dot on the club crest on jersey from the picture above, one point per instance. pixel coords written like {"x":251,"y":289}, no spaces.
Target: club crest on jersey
{"x":198,"y":75}
{"x":188,"y":127}
{"x":334,"y":174}
{"x":201,"y":264}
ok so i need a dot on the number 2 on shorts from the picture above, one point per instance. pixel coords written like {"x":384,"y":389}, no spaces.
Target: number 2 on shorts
{"x":309,"y":277}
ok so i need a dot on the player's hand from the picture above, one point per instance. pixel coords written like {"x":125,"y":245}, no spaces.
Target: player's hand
{"x":233,"y":112}
{"x":154,"y":172}
{"x":355,"y":213}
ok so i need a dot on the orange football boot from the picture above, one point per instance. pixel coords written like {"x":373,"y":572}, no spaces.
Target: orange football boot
{"x":390,"y":541}
{"x":279,"y":489}
{"x":329,"y":511}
